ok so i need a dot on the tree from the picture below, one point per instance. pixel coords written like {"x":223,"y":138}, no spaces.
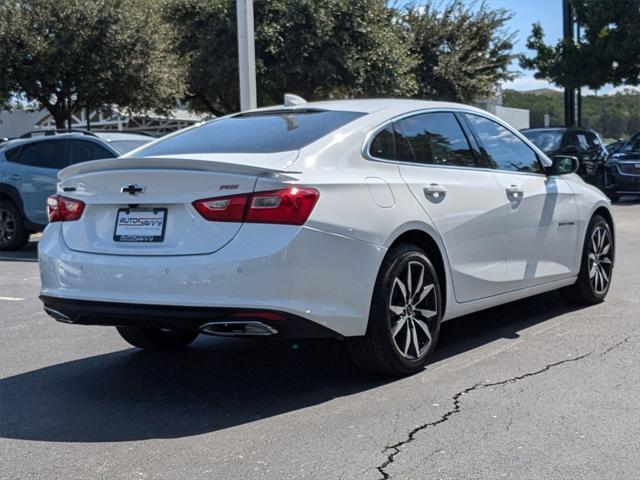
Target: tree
{"x":607,"y":52}
{"x":315,"y":48}
{"x":72,"y":54}
{"x":463,"y":50}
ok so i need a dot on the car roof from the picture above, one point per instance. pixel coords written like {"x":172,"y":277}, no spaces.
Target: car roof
{"x":104,"y":136}
{"x":557,"y":129}
{"x":371,"y":105}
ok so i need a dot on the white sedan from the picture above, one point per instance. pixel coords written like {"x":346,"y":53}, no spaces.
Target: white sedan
{"x":370,"y":221}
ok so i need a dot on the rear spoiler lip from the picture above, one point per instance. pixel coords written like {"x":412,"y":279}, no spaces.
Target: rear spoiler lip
{"x":203,"y":162}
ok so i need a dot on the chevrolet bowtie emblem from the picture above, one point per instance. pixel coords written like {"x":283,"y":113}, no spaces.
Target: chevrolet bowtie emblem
{"x":132,"y":189}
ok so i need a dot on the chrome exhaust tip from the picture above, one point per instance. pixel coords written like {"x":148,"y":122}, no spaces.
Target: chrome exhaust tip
{"x":238,"y":329}
{"x":59,"y":316}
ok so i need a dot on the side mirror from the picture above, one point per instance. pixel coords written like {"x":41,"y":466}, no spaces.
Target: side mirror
{"x":563,"y":165}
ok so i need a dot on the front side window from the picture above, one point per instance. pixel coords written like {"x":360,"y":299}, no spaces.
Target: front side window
{"x":632,"y":145}
{"x":47,"y":154}
{"x":504,"y":149}
{"x":546,"y":140}
{"x":257,"y":132}
{"x":83,"y":151}
{"x":433,"y":139}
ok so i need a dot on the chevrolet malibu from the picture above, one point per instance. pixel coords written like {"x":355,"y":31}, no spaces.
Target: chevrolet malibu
{"x":370,"y":221}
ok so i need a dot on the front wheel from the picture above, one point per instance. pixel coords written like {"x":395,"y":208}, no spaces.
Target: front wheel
{"x":596,"y":266}
{"x":13,"y":235}
{"x":156,"y":338}
{"x":405,"y":315}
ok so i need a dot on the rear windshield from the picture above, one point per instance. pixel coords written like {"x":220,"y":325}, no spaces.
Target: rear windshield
{"x":264,"y":132}
{"x":124,"y":146}
{"x":545,"y":140}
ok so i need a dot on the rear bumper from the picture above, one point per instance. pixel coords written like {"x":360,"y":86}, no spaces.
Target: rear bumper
{"x":324,"y":278}
{"x":82,"y":312}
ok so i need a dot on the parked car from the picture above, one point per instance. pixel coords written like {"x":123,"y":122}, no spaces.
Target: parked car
{"x":614,"y":147}
{"x":622,"y":170}
{"x":28,"y":174}
{"x":582,"y":143}
{"x":365,"y":220}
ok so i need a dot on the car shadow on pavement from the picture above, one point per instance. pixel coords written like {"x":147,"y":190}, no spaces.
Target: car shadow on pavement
{"x":28,"y":254}
{"x":132,"y":395}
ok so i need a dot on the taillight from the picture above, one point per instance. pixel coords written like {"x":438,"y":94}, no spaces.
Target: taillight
{"x":289,"y":206}
{"x":222,"y":209}
{"x":63,"y":209}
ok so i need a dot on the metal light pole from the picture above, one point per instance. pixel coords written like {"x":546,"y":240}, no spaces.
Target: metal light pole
{"x":569,"y":91}
{"x":246,"y":54}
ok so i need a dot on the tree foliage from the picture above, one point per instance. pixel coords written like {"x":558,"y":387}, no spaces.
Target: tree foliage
{"x":612,"y":116}
{"x":314,"y":48}
{"x":463,"y":50}
{"x":608,"y":50}
{"x":70,"y":54}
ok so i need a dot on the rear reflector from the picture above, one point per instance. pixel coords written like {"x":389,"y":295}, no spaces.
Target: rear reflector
{"x":63,"y":209}
{"x":289,"y":206}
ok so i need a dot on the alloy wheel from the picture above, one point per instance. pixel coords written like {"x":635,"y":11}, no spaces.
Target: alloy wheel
{"x":7,"y":226}
{"x":600,"y":259}
{"x":413,"y":309}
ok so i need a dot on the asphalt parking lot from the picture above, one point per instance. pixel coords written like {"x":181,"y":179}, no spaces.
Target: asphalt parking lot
{"x":531,"y":390}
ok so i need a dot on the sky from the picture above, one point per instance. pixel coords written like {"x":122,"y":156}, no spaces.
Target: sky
{"x":526,"y":12}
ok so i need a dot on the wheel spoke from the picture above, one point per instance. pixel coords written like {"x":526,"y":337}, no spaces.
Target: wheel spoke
{"x":606,"y":260}
{"x":605,"y":249}
{"x":402,"y":288}
{"x":426,"y":313}
{"x":409,"y":281}
{"x":398,"y":326}
{"x":396,"y":309}
{"x":420,"y":282}
{"x":424,"y":327}
{"x":407,"y":342}
{"x":604,"y":276}
{"x":416,"y":345}
{"x":592,"y":270}
{"x":424,"y":293}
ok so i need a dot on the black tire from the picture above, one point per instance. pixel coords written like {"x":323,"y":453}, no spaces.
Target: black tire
{"x":13,"y":235}
{"x":589,"y":290}
{"x":156,"y":339}
{"x":377,"y":351}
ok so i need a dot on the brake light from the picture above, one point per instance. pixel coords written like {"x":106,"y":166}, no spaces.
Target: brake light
{"x":289,"y":206}
{"x":64,"y":209}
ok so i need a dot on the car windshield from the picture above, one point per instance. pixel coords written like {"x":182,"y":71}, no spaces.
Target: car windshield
{"x":632,"y":146}
{"x":259,"y":132}
{"x":124,"y":146}
{"x":545,"y":140}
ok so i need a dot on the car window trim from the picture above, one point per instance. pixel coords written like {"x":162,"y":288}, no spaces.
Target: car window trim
{"x":364,"y":151}
{"x":109,"y":150}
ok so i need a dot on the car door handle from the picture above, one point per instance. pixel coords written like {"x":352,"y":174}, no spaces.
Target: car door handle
{"x":15,"y":176}
{"x":514,"y":192}
{"x":435,"y":192}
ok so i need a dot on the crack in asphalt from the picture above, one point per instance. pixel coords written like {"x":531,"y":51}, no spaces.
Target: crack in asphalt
{"x":395,"y":449}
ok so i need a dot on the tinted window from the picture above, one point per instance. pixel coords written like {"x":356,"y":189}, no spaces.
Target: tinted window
{"x":546,"y":140}
{"x":383,"y":145}
{"x":12,"y":155}
{"x":576,"y":141}
{"x":266,"y":132}
{"x":633,"y":145}
{"x":49,"y":154}
{"x":504,"y":150}
{"x":436,"y":139}
{"x":82,"y":151}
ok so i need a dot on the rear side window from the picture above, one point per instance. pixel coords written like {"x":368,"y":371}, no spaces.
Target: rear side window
{"x":504,"y":149}
{"x":434,"y":139}
{"x":82,"y":151}
{"x":46,"y":154}
{"x":264,"y":132}
{"x":383,"y":145}
{"x":12,"y":155}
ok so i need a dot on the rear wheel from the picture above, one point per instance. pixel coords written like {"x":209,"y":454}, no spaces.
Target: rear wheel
{"x":13,"y":235}
{"x":156,"y":338}
{"x":596,"y":267}
{"x":404,"y":320}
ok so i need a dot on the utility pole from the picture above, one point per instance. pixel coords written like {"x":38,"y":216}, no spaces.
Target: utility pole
{"x":569,"y":91}
{"x":246,"y":54}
